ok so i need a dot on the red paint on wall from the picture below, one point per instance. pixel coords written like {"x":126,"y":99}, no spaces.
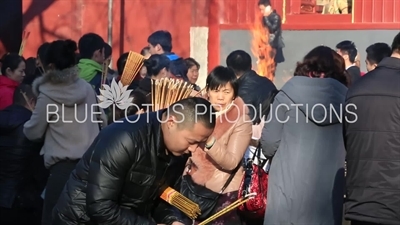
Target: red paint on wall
{"x":200,"y":10}
{"x":133,"y":22}
{"x":214,"y":34}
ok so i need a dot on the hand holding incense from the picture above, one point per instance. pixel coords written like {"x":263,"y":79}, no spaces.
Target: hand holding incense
{"x":176,"y":199}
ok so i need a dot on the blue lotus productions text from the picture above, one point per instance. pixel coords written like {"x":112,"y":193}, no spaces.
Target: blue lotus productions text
{"x":332,"y":113}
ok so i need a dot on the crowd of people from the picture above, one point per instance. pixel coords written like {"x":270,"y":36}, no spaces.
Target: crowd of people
{"x":94,"y":170}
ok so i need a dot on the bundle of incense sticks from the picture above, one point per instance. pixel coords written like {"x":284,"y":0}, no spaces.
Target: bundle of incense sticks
{"x":104,"y":73}
{"x":229,"y":208}
{"x":166,"y":91}
{"x":25,"y":36}
{"x":134,"y":64}
{"x":185,"y":205}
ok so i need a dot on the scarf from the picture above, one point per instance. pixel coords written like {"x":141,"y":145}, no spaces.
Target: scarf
{"x":88,"y":69}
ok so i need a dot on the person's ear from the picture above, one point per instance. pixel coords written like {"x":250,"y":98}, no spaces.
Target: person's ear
{"x":169,"y":121}
{"x":8,"y":71}
{"x":158,"y":48}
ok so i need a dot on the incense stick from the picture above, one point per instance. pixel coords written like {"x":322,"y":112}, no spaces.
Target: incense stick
{"x":25,"y":36}
{"x":27,"y":100}
{"x":229,"y":208}
{"x":200,"y":93}
{"x":104,"y":73}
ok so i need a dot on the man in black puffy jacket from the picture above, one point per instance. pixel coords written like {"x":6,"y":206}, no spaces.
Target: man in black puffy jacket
{"x":123,"y":173}
{"x":372,"y":139}
{"x":253,"y":89}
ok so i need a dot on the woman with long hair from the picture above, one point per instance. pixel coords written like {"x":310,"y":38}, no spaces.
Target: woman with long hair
{"x":303,"y":135}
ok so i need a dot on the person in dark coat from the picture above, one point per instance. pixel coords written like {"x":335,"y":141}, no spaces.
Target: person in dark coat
{"x":348,"y":50}
{"x":375,"y":53}
{"x":272,"y":21}
{"x":39,"y":68}
{"x":128,"y":166}
{"x":22,"y":172}
{"x":304,"y":136}
{"x":253,"y":89}
{"x":372,"y":141}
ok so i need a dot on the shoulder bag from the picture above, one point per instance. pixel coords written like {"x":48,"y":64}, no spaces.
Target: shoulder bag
{"x":255,"y":180}
{"x":204,"y":197}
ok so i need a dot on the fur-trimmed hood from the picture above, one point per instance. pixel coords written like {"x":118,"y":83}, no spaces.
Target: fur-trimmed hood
{"x":62,"y":86}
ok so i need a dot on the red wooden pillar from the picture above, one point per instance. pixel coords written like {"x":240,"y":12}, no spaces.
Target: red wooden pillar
{"x":214,"y":42}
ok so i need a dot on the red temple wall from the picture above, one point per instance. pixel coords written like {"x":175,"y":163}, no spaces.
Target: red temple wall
{"x":133,"y":21}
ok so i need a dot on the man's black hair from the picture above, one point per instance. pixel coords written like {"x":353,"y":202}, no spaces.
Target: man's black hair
{"x":88,"y":44}
{"x":264,"y":2}
{"x":193,"y":110}
{"x":20,"y":91}
{"x":163,"y":38}
{"x":378,"y":51}
{"x":239,"y":61}
{"x":107,"y":50}
{"x":396,"y":44}
{"x":349,"y":48}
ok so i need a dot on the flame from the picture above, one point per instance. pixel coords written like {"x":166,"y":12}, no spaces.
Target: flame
{"x":262,"y":50}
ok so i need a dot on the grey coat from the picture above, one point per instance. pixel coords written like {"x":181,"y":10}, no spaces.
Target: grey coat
{"x":306,"y":182}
